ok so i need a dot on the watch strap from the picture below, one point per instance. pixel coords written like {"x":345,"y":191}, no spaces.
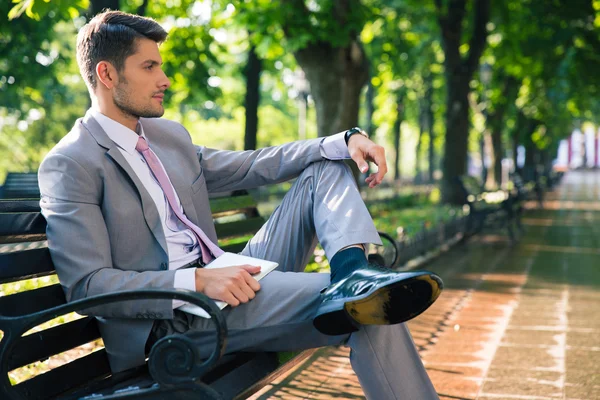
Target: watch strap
{"x":354,"y":131}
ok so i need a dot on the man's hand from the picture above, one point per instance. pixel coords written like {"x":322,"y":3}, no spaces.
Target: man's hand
{"x":233,"y":285}
{"x":361,"y":150}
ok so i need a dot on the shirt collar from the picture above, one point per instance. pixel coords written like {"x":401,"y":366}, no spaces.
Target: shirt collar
{"x":123,"y":137}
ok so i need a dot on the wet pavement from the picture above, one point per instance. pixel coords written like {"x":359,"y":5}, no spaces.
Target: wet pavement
{"x":514,"y":322}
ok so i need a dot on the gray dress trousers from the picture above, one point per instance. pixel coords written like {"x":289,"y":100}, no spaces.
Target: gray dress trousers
{"x":324,"y":206}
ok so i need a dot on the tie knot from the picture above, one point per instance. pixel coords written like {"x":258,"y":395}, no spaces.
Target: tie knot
{"x":141,"y":145}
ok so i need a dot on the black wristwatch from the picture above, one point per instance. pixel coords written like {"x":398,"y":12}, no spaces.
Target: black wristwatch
{"x":354,"y":131}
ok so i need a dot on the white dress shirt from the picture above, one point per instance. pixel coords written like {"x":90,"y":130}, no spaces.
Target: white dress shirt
{"x":182,"y":245}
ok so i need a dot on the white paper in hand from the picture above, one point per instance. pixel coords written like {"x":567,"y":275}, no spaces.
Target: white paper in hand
{"x":231,"y":260}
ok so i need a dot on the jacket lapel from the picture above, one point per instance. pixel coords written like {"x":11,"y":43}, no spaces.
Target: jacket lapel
{"x":149,"y":208}
{"x":169,"y":158}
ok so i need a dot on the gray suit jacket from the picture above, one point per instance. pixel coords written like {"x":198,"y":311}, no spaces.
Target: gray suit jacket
{"x":104,"y":231}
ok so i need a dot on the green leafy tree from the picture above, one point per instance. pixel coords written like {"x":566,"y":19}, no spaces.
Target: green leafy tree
{"x":543,"y":55}
{"x":403,"y":46}
{"x":461,"y":59}
{"x":324,"y":39}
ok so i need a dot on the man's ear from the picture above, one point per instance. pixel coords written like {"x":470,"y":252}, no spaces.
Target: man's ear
{"x":106,"y":74}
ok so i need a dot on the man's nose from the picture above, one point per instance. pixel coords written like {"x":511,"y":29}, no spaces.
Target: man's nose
{"x":165,"y":82}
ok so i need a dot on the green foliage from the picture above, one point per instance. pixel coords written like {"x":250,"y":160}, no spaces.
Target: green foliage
{"x":40,"y":89}
{"x":37,"y":9}
{"x":406,"y":56}
{"x":551,"y":49}
{"x":305,"y":23}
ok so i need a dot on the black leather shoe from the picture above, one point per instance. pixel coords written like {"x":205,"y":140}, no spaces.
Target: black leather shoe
{"x":375,"y":295}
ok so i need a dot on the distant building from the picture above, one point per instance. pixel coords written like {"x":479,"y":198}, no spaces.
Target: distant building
{"x":580,"y":149}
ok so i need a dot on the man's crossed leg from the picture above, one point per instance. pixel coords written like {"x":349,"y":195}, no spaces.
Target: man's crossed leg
{"x":324,"y":206}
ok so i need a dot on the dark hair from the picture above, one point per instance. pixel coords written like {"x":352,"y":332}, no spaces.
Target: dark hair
{"x":111,"y":36}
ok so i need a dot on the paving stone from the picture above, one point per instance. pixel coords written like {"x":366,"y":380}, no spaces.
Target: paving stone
{"x":583,"y":339}
{"x":586,"y":360}
{"x":533,"y":321}
{"x":512,"y":373}
{"x":522,"y":387}
{"x":526,"y":358}
{"x":457,"y":371}
{"x":583,"y":391}
{"x":530,"y":337}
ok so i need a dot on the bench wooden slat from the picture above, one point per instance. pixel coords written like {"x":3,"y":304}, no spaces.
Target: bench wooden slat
{"x":39,"y":346}
{"x":221,"y":205}
{"x":21,"y":193}
{"x":79,"y":372}
{"x":234,"y":248}
{"x":22,"y":227}
{"x":250,"y":368}
{"x":12,"y":206}
{"x":238,"y":228}
{"x":25,"y":264}
{"x":32,"y":301}
{"x":21,"y":185}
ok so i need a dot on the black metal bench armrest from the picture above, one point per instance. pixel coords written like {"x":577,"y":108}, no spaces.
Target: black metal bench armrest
{"x":391,"y":250}
{"x":173,"y":360}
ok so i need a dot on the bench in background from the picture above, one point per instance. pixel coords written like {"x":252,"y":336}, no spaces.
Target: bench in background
{"x":20,"y":185}
{"x":497,"y":209}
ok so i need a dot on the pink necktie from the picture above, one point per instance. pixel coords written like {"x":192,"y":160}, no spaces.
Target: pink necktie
{"x":206,"y":245}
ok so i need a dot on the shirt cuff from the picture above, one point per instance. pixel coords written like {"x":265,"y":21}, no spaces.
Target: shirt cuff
{"x":334,"y":147}
{"x":184,"y":279}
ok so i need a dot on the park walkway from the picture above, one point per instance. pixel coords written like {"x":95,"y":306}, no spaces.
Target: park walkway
{"x":514,"y":322}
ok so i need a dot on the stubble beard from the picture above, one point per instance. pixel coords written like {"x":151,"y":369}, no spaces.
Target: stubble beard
{"x":123,"y":101}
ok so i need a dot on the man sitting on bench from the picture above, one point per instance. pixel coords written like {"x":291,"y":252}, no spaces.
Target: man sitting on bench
{"x":125,"y":196}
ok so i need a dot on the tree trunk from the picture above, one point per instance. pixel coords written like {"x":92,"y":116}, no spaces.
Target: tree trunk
{"x":495,"y":121}
{"x":336,"y":76}
{"x":457,"y":135}
{"x":141,"y":10}
{"x":484,"y":171}
{"x":97,"y":6}
{"x":336,"y":72}
{"x":422,"y":129}
{"x":398,"y":133}
{"x":252,"y":98}
{"x":459,"y":71}
{"x":526,"y":127}
{"x":370,"y":128}
{"x":429,"y":119}
{"x":418,"y":175}
{"x":520,"y":126}
{"x":498,"y":154}
{"x":530,"y":152}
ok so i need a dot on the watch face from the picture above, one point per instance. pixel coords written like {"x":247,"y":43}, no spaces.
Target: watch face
{"x":351,"y":132}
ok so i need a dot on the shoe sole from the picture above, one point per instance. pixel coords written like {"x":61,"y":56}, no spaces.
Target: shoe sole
{"x":393,"y":304}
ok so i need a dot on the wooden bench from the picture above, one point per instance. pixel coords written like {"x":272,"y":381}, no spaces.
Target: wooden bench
{"x":497,"y":209}
{"x":227,"y":377}
{"x":20,"y":185}
{"x":24,"y":255}
{"x":525,"y":191}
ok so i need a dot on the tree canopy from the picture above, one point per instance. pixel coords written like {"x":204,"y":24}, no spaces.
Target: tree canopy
{"x":432,"y":79}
